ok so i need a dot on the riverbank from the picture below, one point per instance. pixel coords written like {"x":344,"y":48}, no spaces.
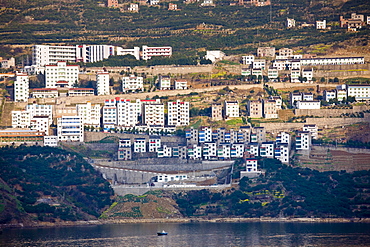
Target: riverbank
{"x":185,"y":220}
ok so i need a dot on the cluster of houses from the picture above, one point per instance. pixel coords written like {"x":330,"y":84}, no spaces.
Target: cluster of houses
{"x":220,"y":144}
{"x":115,"y":115}
{"x":299,"y":66}
{"x":355,"y":22}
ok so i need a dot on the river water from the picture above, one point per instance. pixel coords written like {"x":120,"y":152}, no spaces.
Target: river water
{"x":194,"y":234}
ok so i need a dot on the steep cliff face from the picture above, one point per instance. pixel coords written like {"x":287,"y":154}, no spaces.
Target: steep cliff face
{"x":40,"y":184}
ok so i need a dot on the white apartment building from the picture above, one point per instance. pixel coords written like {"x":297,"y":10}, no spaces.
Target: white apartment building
{"x":312,"y":128}
{"x":237,"y":150}
{"x":164,"y":82}
{"x":154,"y":143}
{"x":127,"y":115}
{"x":204,"y":134}
{"x":223,"y":151}
{"x":321,"y":24}
{"x":153,"y":114}
{"x":132,"y":83}
{"x":283,"y":137}
{"x":134,"y":52}
{"x":269,"y":109}
{"x":109,"y":112}
{"x":295,"y":97}
{"x":251,"y":165}
{"x":90,"y":114}
{"x":307,"y":96}
{"x":290,"y":23}
{"x":309,"y":104}
{"x":259,"y":64}
{"x":178,"y":113}
{"x":267,"y":149}
{"x":181,"y":84}
{"x":124,"y":149}
{"x":61,"y":72}
{"x":21,"y":119}
{"x":248,"y":59}
{"x":231,"y":109}
{"x":253,"y":148}
{"x":40,"y":123}
{"x":51,"y":54}
{"x":140,"y":145}
{"x":93,"y":53}
{"x":210,"y":150}
{"x":246,"y":72}
{"x":278,"y":101}
{"x":167,"y":178}
{"x":194,"y":152}
{"x":21,"y":87}
{"x":341,"y":94}
{"x":308,"y":74}
{"x":282,"y":153}
{"x":294,"y":75}
{"x":328,"y":95}
{"x":70,"y":128}
{"x":102,"y":83}
{"x":40,"y":110}
{"x":360,"y":92}
{"x":51,"y":141}
{"x":164,"y":151}
{"x":303,"y":140}
{"x":149,"y":52}
{"x":272,"y":74}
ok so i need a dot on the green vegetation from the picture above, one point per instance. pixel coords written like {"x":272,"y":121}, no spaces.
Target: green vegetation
{"x":285,"y":192}
{"x":50,"y":184}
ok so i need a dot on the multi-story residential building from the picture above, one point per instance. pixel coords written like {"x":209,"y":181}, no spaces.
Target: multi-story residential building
{"x":124,"y":149}
{"x":164,"y":152}
{"x":267,"y":149}
{"x":257,"y":72}
{"x":216,"y":112}
{"x":153,"y":114}
{"x":237,"y":150}
{"x":278,"y":101}
{"x":132,"y":83}
{"x":248,"y":59}
{"x":285,"y":52}
{"x":303,"y":140}
{"x":127,"y":115}
{"x":133,"y":7}
{"x":7,"y":63}
{"x":307,"y":96}
{"x":259,"y":64}
{"x":94,"y":53}
{"x":154,"y":143}
{"x":90,"y":114}
{"x":21,"y":87}
{"x":290,"y":23}
{"x":273,"y":74}
{"x":140,"y":145}
{"x":21,"y":119}
{"x":231,"y":109}
{"x":75,"y":92}
{"x":109,"y":115}
{"x":282,"y":152}
{"x":61,"y":72}
{"x":45,"y":93}
{"x":260,"y":134}
{"x":178,"y":113}
{"x":246,"y":71}
{"x":214,"y":55}
{"x":40,"y":110}
{"x":51,"y":54}
{"x":181,"y":84}
{"x":51,"y":141}
{"x":328,"y":95}
{"x":283,"y":138}
{"x":40,"y":123}
{"x":312,"y":128}
{"x":360,"y":92}
{"x":191,"y":135}
{"x":244,"y":134}
{"x":102,"y":83}
{"x":204,"y":134}
{"x":149,"y":52}
{"x":134,"y":52}
{"x":269,"y":109}
{"x":253,"y":148}
{"x":309,"y":104}
{"x":308,"y":74}
{"x":70,"y":128}
{"x":295,"y":75}
{"x":224,"y":151}
{"x":164,"y":82}
{"x":294,"y":98}
{"x":194,"y":152}
{"x":266,"y":52}
{"x":255,"y":109}
{"x":341,"y":94}
{"x":210,"y":151}
{"x":321,"y":24}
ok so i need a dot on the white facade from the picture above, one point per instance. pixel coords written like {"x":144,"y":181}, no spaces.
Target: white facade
{"x":41,"y":110}
{"x":70,"y":128}
{"x":328,"y":95}
{"x":21,"y":87}
{"x":251,"y":165}
{"x":259,"y":64}
{"x":321,"y":24}
{"x":178,"y":113}
{"x":127,"y":115}
{"x":89,"y":113}
{"x":308,"y":104}
{"x":102,"y":83}
{"x":132,"y":83}
{"x":312,"y":128}
{"x":21,"y":119}
{"x":181,"y":84}
{"x":149,"y":52}
{"x":303,"y":140}
{"x":273,"y":73}
{"x":51,"y":54}
{"x":164,"y":82}
{"x":154,"y":144}
{"x":209,"y":150}
{"x":282,"y":153}
{"x":44,"y":93}
{"x":332,"y":61}
{"x":249,"y":59}
{"x":139,"y":145}
{"x":167,"y":178}
{"x":283,"y":137}
{"x":294,"y":75}
{"x":360,"y":92}
{"x":93,"y":53}
{"x":290,"y":23}
{"x":267,"y":149}
{"x":214,"y":55}
{"x":237,"y":150}
{"x":153,"y":114}
{"x":61,"y":72}
{"x":231,"y":109}
{"x":134,"y":52}
{"x":40,"y":123}
{"x":109,"y":118}
{"x":308,"y":74}
{"x":51,"y":141}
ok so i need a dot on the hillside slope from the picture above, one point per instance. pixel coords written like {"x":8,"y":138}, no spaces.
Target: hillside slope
{"x":48,"y":184}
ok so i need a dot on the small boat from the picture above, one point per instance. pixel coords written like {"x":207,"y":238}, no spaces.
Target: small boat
{"x":162,"y":233}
